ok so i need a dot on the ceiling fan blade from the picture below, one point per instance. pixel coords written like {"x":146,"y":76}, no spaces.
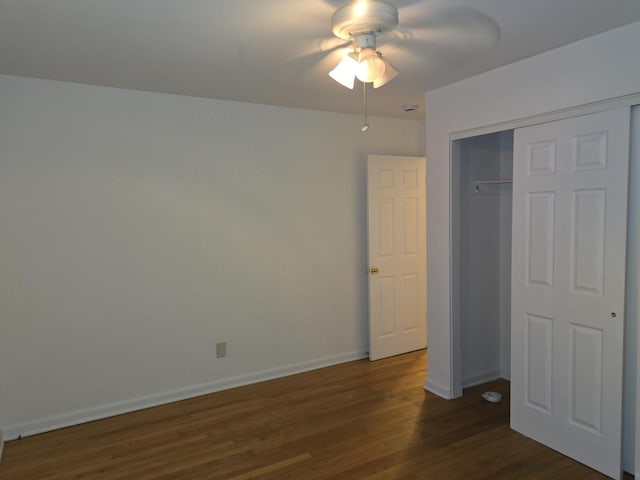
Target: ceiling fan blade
{"x":299,"y":53}
{"x":448,"y":37}
{"x":453,"y":25}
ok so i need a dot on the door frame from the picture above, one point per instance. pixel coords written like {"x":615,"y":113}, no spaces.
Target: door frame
{"x":455,"y":351}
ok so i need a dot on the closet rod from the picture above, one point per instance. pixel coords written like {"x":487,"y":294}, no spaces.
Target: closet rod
{"x":490,"y":182}
{"x":487,"y":182}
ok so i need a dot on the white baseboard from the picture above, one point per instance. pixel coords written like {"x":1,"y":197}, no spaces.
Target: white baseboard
{"x":34,"y":427}
{"x":438,"y":389}
{"x":480,"y":378}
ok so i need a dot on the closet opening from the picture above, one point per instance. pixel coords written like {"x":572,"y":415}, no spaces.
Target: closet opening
{"x":481,"y":250}
{"x":482,"y":168}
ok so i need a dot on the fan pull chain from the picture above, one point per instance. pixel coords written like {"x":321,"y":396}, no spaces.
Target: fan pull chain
{"x":365,"y":125}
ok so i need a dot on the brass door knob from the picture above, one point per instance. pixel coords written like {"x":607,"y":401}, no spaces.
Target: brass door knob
{"x":374,"y":270}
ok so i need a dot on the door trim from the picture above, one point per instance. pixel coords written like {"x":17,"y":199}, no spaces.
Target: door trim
{"x":631,"y":436}
{"x":586,"y":109}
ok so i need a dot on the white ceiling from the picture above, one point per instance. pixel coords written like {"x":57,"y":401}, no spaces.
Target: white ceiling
{"x":279,"y":52}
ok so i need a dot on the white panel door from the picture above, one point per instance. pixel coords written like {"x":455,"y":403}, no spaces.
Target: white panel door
{"x":568,"y":285}
{"x":397,"y":255}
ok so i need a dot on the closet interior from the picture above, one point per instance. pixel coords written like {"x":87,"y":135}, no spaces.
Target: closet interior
{"x":482,"y":203}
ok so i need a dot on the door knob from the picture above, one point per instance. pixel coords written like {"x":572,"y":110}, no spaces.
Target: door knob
{"x":374,"y":270}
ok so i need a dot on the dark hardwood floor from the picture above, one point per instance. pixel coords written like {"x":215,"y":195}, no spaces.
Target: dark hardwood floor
{"x":359,"y":420}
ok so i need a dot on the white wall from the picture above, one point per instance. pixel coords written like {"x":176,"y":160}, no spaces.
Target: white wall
{"x":139,"y":229}
{"x":597,"y":68}
{"x":506,"y":204}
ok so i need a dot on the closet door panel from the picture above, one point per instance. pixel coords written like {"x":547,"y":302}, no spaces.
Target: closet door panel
{"x":540,"y":233}
{"x":568,"y":285}
{"x":587,"y":240}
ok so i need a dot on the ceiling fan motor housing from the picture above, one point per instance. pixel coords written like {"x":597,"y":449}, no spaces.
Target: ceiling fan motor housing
{"x":372,"y":17}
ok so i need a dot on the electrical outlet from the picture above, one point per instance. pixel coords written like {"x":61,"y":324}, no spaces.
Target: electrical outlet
{"x":221,"y":349}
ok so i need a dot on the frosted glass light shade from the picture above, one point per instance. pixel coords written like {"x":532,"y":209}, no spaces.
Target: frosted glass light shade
{"x":371,"y":66}
{"x":389,"y":74}
{"x":345,"y":71}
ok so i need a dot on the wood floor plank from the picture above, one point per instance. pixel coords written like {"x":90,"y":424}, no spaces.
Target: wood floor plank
{"x":359,"y":420}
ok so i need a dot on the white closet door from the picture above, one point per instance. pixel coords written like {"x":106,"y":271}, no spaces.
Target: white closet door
{"x":568,"y":285}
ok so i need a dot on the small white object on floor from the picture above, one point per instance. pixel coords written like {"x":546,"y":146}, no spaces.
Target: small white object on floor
{"x":492,"y":397}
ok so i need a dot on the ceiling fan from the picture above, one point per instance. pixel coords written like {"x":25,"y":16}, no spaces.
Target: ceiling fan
{"x":362,"y":22}
{"x":368,"y":40}
{"x":445,"y":37}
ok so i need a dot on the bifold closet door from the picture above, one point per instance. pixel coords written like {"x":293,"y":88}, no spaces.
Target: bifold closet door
{"x":568,"y":285}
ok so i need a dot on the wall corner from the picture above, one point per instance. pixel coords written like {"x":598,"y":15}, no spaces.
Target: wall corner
{"x":438,"y":389}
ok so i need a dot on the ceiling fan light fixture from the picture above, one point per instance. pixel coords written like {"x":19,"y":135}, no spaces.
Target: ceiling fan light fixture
{"x":345,"y":71}
{"x":362,"y":21}
{"x":371,"y":66}
{"x":389,"y":74}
